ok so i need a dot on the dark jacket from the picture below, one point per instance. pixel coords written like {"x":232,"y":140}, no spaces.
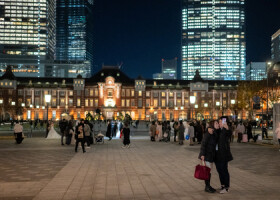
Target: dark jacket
{"x":181,"y":132}
{"x":208,"y":147}
{"x":223,"y":154}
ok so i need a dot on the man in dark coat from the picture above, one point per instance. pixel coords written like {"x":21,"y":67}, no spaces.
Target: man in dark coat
{"x":63,"y":126}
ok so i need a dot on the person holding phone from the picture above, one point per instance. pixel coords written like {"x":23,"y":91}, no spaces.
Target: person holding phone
{"x":223,"y":155}
{"x":207,"y":153}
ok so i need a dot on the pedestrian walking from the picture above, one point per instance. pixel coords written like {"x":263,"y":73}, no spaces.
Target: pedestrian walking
{"x":80,"y":137}
{"x":191,"y":133}
{"x":18,"y":132}
{"x":199,"y":132}
{"x":181,"y":133}
{"x":109,"y":130}
{"x":126,"y":136}
{"x":159,"y":132}
{"x":62,"y":126}
{"x":87,"y":132}
{"x":240,"y":129}
{"x":249,"y":131}
{"x":223,"y":155}
{"x":176,"y":129}
{"x":207,"y":153}
{"x":264,"y":130}
{"x":153,"y":131}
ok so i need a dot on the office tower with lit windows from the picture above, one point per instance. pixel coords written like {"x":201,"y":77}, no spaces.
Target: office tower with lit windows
{"x":74,"y":30}
{"x":275,"y":47}
{"x":256,"y":71}
{"x":169,"y":68}
{"x":213,"y":39}
{"x":27,"y":29}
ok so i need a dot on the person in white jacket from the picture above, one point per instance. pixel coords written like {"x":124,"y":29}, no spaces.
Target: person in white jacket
{"x":18,"y":132}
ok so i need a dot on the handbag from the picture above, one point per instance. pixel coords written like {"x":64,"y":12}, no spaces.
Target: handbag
{"x":121,"y":134}
{"x":157,"y":132}
{"x":202,"y":172}
{"x":187,"y":137}
{"x":80,"y":135}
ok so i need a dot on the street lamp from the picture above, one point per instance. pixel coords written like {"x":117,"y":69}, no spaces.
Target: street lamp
{"x":48,"y":100}
{"x":192,"y":101}
{"x":268,"y":64}
{"x":206,"y":105}
{"x":2,"y":108}
{"x":232,"y":101}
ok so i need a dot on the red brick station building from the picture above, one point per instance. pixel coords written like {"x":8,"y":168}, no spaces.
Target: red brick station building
{"x":115,"y":94}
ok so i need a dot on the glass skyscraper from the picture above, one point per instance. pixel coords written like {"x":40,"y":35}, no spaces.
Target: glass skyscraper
{"x":213,"y":39}
{"x":74,"y":30}
{"x":27,"y":35}
{"x":26,"y":30}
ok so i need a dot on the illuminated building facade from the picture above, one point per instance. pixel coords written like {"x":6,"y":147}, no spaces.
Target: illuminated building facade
{"x":74,"y":30}
{"x":275,"y":47}
{"x":256,"y":71}
{"x":27,"y":29}
{"x":213,"y":39}
{"x":115,"y":94}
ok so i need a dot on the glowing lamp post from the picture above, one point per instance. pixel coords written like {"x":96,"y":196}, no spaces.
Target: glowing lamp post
{"x":48,"y":100}
{"x":192,"y":101}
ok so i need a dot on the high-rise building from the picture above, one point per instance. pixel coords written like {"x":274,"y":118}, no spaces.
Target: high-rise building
{"x":213,"y":39}
{"x":275,"y":46}
{"x":74,"y":30}
{"x":256,"y":71}
{"x":27,"y":29}
{"x":168,"y":69}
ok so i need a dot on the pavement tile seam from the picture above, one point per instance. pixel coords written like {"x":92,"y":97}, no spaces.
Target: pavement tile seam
{"x":140,"y":161}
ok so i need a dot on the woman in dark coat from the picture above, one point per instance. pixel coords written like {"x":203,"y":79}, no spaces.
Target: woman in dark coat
{"x":126,"y":136}
{"x":223,"y":156}
{"x":109,"y":130}
{"x":207,"y":153}
{"x":181,"y":133}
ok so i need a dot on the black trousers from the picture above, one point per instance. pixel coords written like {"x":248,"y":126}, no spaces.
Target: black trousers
{"x":175,"y":134}
{"x":264,"y":132}
{"x":126,"y":139}
{"x":222,"y":169}
{"x":82,"y":142}
{"x":19,"y":137}
{"x":87,"y":140}
{"x":239,"y":137}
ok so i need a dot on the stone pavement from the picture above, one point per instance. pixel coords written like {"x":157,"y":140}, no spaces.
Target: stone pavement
{"x":43,"y":169}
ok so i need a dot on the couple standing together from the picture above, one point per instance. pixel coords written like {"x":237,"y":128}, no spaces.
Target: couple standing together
{"x":215,"y":148}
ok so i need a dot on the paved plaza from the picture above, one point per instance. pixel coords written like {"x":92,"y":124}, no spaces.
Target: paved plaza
{"x":42,"y":169}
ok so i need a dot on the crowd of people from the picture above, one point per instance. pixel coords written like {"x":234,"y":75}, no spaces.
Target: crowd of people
{"x":164,"y":131}
{"x":214,"y":137}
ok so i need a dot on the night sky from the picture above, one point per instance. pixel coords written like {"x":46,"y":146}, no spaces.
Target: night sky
{"x":138,"y":34}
